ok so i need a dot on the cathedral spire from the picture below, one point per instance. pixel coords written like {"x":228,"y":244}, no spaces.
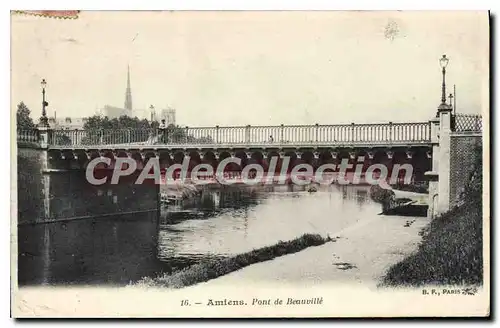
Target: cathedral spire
{"x":128,"y":93}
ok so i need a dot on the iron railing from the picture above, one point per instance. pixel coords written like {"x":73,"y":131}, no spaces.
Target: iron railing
{"x":103,"y":137}
{"x":467,"y":123}
{"x":27,"y":136}
{"x":293,"y":135}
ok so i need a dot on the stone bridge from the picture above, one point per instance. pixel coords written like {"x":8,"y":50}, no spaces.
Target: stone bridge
{"x":314,"y":144}
{"x":426,"y":145}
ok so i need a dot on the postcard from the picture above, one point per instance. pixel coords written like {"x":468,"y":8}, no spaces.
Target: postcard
{"x":250,"y":164}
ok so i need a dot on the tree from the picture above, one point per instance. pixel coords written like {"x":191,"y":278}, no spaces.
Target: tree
{"x":177,"y":134}
{"x":24,"y":120}
{"x":61,"y":138}
{"x":126,"y":129}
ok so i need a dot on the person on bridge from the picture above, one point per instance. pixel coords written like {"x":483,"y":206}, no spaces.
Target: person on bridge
{"x":271,"y":139}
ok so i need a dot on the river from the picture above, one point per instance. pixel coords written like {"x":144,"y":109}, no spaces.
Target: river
{"x":117,"y":250}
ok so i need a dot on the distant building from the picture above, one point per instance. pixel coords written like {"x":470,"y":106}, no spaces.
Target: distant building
{"x":128,"y":93}
{"x":67,"y":123}
{"x":115,"y":112}
{"x":168,"y":115}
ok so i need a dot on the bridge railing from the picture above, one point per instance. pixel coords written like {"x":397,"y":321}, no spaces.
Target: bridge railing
{"x":27,"y":135}
{"x":383,"y":133}
{"x":102,"y":137}
{"x":313,"y":134}
{"x":28,"y":138}
{"x":467,"y":123}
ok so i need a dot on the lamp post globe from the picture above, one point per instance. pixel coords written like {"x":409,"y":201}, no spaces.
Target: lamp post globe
{"x":443,"y":62}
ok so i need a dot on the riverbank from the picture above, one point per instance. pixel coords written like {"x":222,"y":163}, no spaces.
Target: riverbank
{"x":361,"y":254}
{"x":451,"y":252}
{"x":208,"y":270}
{"x":179,"y":191}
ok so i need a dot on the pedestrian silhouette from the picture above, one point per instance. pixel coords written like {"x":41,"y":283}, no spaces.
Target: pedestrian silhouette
{"x":271,"y":139}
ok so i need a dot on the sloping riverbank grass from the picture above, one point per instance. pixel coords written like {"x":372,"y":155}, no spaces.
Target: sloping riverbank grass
{"x":205,"y":271}
{"x":451,"y":251}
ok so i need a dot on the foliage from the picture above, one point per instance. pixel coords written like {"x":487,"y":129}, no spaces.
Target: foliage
{"x":127,"y":129}
{"x":97,"y":122}
{"x":62,"y":138}
{"x":177,"y":134}
{"x":24,"y":120}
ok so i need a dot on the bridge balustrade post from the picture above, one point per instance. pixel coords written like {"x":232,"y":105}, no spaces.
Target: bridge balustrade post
{"x":187,"y":134}
{"x":352,"y":132}
{"x":432,"y":176}
{"x":317,"y":132}
{"x":439,"y":177}
{"x":216,"y":134}
{"x":282,"y":133}
{"x":247,"y":134}
{"x":390,"y":132}
{"x":45,"y":136}
{"x":45,"y":139}
{"x":445,"y":126}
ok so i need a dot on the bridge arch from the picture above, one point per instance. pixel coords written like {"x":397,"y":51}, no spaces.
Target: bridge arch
{"x":223,"y":155}
{"x":274,"y":154}
{"x":257,"y":156}
{"x":325,"y":157}
{"x":308,"y":157}
{"x":194,"y":158}
{"x":293,"y":160}
{"x":148,"y":155}
{"x":178,"y":157}
{"x":121,"y":153}
{"x":421,"y":163}
{"x":136,"y":155}
{"x":80,"y":157}
{"x":209,"y":157}
{"x":343,"y":153}
{"x":243,"y":157}
{"x":379,"y":156}
{"x":56,"y":158}
{"x":165,"y":159}
{"x":230,"y":166}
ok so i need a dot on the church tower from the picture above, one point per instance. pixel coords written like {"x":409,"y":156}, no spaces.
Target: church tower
{"x":128,"y":93}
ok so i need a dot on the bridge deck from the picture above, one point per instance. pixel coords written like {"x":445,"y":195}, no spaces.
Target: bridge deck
{"x":264,"y":145}
{"x":405,"y":134}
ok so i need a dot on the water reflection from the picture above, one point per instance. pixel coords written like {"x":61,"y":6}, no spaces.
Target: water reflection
{"x":260,"y":218}
{"x":220,"y":222}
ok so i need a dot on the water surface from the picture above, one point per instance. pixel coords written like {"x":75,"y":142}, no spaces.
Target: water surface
{"x":125,"y":248}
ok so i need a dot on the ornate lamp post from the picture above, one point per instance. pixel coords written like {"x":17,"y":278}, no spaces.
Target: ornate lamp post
{"x":443,"y":62}
{"x":153,"y":113}
{"x":44,"y":121}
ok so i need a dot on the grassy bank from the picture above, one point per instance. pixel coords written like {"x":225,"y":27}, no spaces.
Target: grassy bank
{"x":205,"y":271}
{"x":451,"y":251}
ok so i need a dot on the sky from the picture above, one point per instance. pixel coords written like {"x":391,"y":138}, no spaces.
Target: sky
{"x":257,"y":68}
